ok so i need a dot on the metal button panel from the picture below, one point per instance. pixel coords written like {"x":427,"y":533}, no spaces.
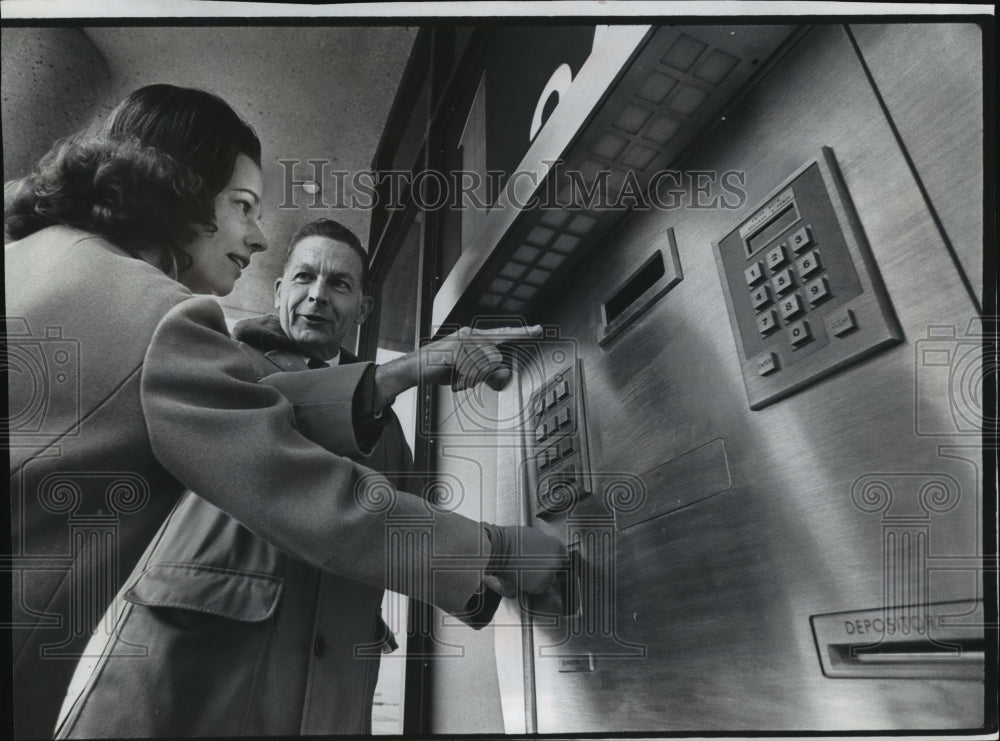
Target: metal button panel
{"x":557,"y":442}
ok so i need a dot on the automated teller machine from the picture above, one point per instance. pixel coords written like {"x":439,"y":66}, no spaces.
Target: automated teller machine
{"x":755,"y":412}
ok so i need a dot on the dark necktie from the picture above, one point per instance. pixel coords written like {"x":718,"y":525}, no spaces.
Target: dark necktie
{"x":314,"y":363}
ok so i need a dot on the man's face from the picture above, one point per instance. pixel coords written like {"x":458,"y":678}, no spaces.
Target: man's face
{"x":320,"y":296}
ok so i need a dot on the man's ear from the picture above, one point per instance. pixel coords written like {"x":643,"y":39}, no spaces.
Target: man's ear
{"x":277,"y":293}
{"x":367,"y":302}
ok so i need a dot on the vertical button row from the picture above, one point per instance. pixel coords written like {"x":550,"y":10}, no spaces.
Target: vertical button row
{"x":557,"y":441}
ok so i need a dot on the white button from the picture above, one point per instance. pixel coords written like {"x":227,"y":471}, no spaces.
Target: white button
{"x":562,"y":417}
{"x":766,"y":363}
{"x":782,"y":281}
{"x":776,"y":256}
{"x":798,"y":333}
{"x":754,"y":273}
{"x":767,"y":322}
{"x":801,"y":239}
{"x":760,"y":297}
{"x":808,"y":263}
{"x":790,"y":306}
{"x":842,"y":323}
{"x":817,"y":290}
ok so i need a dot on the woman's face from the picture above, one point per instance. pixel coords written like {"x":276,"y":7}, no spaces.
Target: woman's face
{"x":218,"y":258}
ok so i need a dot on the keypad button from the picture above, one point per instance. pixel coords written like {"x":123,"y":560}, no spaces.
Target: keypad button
{"x":766,"y":363}
{"x":798,"y":333}
{"x":767,"y":322}
{"x":817,"y":290}
{"x":550,"y":398}
{"x":760,"y":297}
{"x":568,"y":475}
{"x":801,"y":239}
{"x":776,"y":257}
{"x":754,"y":274}
{"x":539,"y":407}
{"x":808,"y":263}
{"x":542,"y":459}
{"x":790,"y":306}
{"x":562,"y":389}
{"x":841,"y":323}
{"x":782,"y":282}
{"x":561,"y":490}
{"x":567,"y":447}
{"x":541,"y":432}
{"x":562,"y":417}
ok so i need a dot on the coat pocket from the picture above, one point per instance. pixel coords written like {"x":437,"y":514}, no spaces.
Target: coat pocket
{"x":207,"y":636}
{"x":248,"y":597}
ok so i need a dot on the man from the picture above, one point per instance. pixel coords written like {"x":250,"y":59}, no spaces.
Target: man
{"x":243,"y":639}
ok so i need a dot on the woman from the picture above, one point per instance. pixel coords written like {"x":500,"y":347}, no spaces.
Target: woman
{"x":141,"y":392}
{"x":107,"y":225}
{"x":170,"y":168}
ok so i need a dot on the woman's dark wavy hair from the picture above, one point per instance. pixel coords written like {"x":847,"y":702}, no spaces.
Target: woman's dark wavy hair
{"x":147,"y":180}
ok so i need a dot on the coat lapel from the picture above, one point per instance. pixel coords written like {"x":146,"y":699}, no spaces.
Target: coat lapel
{"x":286,"y":361}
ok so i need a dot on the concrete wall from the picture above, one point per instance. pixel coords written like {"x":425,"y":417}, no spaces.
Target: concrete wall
{"x":53,"y":82}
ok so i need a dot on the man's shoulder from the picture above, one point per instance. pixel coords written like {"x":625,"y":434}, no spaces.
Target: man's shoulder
{"x":346,"y":357}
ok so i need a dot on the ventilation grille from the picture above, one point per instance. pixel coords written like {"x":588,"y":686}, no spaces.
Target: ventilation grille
{"x":677,"y":84}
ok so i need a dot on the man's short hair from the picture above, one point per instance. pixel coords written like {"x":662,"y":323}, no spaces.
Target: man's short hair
{"x":337,"y":232}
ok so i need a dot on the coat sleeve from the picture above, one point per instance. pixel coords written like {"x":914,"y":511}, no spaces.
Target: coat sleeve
{"x":332,"y":406}
{"x":235,"y":442}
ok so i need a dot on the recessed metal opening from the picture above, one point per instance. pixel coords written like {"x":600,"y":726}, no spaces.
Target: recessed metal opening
{"x":634,"y":287}
{"x":643,"y":288}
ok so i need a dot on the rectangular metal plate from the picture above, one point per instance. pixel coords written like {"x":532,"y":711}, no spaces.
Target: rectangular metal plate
{"x":804,"y":346}
{"x":687,"y":479}
{"x":931,"y":640}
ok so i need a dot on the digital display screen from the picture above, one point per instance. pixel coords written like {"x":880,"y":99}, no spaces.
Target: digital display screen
{"x":781,"y":221}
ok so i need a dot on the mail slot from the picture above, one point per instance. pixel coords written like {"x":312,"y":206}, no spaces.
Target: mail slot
{"x":921,"y":641}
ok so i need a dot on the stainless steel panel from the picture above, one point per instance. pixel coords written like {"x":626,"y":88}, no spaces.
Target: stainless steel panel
{"x":720,"y":593}
{"x":706,"y":611}
{"x":939,"y":115}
